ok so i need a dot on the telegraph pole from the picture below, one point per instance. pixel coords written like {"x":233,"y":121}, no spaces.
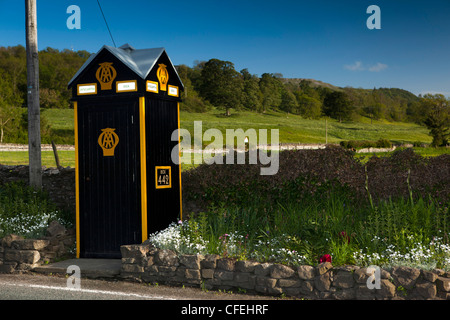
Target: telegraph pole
{"x":34,"y":121}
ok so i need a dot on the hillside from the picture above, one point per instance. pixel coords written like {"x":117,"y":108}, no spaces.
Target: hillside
{"x":301,"y":99}
{"x":292,"y":128}
{"x":312,"y":83}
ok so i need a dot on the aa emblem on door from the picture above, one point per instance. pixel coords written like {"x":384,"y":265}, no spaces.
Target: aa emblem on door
{"x":108,"y":141}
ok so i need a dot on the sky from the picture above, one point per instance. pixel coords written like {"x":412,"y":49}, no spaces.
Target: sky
{"x":324,"y":40}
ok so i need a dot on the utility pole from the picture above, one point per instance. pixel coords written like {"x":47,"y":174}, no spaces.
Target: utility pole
{"x":34,"y":121}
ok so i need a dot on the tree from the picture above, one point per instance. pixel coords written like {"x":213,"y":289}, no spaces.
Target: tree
{"x":438,"y":118}
{"x":375,"y":111}
{"x":9,"y":103}
{"x":288,"y":101}
{"x":252,"y":96}
{"x":308,"y":107}
{"x":191,"y":101}
{"x":271,"y":88}
{"x":221,"y":84}
{"x":337,"y":105}
{"x":416,"y":112}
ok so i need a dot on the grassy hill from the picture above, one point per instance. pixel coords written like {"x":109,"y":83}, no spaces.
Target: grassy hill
{"x":292,"y":128}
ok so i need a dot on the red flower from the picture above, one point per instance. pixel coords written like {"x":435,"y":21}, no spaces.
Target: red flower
{"x":344,"y":236}
{"x":325,"y":258}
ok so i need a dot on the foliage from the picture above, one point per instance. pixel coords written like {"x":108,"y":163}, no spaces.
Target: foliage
{"x":270,"y":87}
{"x":24,"y":210}
{"x":18,"y":131}
{"x":56,"y":68}
{"x":307,"y":171}
{"x":438,"y":119}
{"x":338,"y":105}
{"x":267,"y":93}
{"x":252,"y":95}
{"x":318,"y":204}
{"x":10,"y":101}
{"x":216,"y":83}
{"x":221,"y":84}
{"x":182,"y":238}
{"x":309,"y":107}
{"x":326,"y":224}
{"x":355,"y":144}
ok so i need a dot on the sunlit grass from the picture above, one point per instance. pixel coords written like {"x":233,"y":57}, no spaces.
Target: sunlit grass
{"x":66,"y":158}
{"x":292,"y":128}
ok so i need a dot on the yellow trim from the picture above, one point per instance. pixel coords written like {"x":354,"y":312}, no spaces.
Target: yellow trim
{"x":153,"y":82}
{"x":86,"y":84}
{"x":156,"y":177}
{"x":77,"y":184}
{"x":126,"y":81}
{"x":179,"y":162}
{"x":172,"y":87}
{"x":143,"y":168}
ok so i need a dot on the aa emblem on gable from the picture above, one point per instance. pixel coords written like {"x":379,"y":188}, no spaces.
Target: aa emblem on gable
{"x":105,"y":75}
{"x":108,"y":141}
{"x":163,"y":76}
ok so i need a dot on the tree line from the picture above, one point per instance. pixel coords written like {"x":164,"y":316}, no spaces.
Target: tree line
{"x":56,"y":68}
{"x":216,"y":83}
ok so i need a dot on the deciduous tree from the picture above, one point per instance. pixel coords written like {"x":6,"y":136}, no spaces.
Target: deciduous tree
{"x":337,"y":105}
{"x":221,"y":84}
{"x":438,"y":118}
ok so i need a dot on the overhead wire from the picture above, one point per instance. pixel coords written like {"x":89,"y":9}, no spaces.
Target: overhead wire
{"x":104,"y":18}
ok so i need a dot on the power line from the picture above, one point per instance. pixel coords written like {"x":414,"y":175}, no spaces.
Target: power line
{"x":106,"y":23}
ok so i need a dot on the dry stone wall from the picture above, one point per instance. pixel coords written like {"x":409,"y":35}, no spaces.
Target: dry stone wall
{"x":148,"y":264}
{"x":18,"y":254}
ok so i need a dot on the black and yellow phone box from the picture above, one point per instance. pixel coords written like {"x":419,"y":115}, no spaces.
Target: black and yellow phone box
{"x":126,"y":105}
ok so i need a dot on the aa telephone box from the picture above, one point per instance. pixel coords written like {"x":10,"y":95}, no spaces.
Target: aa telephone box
{"x":126,"y":107}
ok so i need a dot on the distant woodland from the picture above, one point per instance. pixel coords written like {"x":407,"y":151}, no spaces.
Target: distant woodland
{"x":216,"y":83}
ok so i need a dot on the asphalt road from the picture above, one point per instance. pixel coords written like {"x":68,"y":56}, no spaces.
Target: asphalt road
{"x":43,"y":287}
{"x":36,"y":294}
{"x":24,"y":294}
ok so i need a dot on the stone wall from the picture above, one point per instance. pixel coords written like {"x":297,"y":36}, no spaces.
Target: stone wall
{"x":18,"y":254}
{"x":145,"y":263}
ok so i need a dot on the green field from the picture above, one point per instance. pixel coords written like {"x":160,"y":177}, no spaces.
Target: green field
{"x":292,"y":129}
{"x":295,"y":129}
{"x":66,"y":158}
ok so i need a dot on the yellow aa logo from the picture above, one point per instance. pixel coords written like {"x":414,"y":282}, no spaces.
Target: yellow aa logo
{"x":163,"y":76}
{"x":108,"y":141}
{"x":105,"y":75}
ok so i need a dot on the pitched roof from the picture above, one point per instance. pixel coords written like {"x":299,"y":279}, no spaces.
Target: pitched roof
{"x":141,"y":61}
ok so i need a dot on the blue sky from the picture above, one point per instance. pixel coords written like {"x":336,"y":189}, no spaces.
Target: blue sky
{"x":323,"y":40}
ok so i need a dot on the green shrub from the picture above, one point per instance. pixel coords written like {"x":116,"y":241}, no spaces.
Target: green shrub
{"x":24,"y":211}
{"x":317,"y":204}
{"x":384,"y":143}
{"x":360,"y":144}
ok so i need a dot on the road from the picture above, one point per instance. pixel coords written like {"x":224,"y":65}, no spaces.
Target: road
{"x":23,"y":294}
{"x":42,"y":287}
